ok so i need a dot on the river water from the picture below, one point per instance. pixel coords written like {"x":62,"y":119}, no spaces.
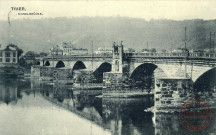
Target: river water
{"x":35,"y":107}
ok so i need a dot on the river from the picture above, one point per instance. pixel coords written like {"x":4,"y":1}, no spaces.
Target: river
{"x":35,"y":107}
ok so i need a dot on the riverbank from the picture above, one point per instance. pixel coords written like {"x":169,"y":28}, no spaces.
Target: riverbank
{"x":12,"y":70}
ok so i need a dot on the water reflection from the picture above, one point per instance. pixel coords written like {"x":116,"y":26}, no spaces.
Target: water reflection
{"x":80,"y":102}
{"x":127,"y":116}
{"x":8,"y":92}
{"x":49,"y":108}
{"x":122,"y":116}
{"x":33,"y":113}
{"x":169,"y":124}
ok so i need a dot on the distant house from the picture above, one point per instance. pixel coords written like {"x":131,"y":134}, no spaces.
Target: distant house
{"x":101,"y":50}
{"x":56,"y":50}
{"x":212,"y":50}
{"x":129,"y":50}
{"x":145,"y":51}
{"x":8,"y":55}
{"x":70,"y":49}
{"x":178,"y":50}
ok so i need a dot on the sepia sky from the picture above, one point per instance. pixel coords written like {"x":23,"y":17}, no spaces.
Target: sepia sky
{"x":178,"y":10}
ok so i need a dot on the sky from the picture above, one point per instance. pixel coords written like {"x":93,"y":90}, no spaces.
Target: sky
{"x":174,"y":10}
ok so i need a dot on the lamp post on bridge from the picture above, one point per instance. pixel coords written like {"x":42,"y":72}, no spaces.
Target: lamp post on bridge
{"x":186,"y":54}
{"x":212,"y":46}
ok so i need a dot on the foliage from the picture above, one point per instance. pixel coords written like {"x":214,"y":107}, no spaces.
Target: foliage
{"x":43,"y":54}
{"x":31,"y":54}
{"x":153,"y":50}
{"x":143,"y":50}
{"x":35,"y":54}
{"x":131,"y":50}
{"x":22,"y":62}
{"x":164,"y":50}
{"x":19,"y":50}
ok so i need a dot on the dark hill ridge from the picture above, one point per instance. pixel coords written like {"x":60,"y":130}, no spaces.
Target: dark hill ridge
{"x":39,"y":35}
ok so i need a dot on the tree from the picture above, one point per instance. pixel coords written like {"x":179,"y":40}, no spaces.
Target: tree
{"x":144,"y":50}
{"x":153,"y":50}
{"x":19,"y":50}
{"x":42,"y":54}
{"x":130,"y":50}
{"x":164,"y":51}
{"x":30,"y":54}
{"x":22,"y":61}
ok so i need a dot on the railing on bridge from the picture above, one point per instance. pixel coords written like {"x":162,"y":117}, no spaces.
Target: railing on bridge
{"x":81,"y":55}
{"x":190,"y":55}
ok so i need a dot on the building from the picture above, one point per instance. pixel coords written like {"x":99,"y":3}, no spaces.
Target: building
{"x":129,"y":50}
{"x":101,"y":50}
{"x":69,"y":49}
{"x":8,"y":55}
{"x":178,"y":50}
{"x":56,"y":50}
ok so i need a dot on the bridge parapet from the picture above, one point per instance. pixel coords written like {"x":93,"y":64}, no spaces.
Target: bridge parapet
{"x":179,"y":55}
{"x":80,"y":56}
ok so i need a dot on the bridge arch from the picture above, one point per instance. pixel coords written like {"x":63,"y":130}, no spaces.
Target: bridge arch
{"x":206,"y":81}
{"x":79,"y":65}
{"x":143,"y":75}
{"x":37,"y":63}
{"x":60,"y":64}
{"x":154,"y":68}
{"x":47,"y":63}
{"x":98,"y":73}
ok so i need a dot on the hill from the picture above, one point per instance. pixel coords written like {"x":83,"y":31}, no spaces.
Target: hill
{"x":39,"y":35}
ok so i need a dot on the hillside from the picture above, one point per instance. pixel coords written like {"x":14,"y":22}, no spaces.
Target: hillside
{"x":39,"y":35}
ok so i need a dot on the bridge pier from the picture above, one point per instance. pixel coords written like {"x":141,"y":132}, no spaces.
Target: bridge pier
{"x":62,"y":75}
{"x":57,"y":74}
{"x":35,"y":71}
{"x":171,"y":92}
{"x":112,"y":82}
{"x":83,"y":76}
{"x":41,"y":63}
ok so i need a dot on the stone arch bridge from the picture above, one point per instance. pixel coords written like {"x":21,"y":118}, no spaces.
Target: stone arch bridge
{"x":164,"y":64}
{"x":89,"y":62}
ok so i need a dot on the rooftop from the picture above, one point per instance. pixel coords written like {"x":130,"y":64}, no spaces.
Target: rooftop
{"x":8,"y":49}
{"x":67,"y":45}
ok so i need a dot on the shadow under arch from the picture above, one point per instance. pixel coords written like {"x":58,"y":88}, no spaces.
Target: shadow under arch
{"x":98,"y":73}
{"x":47,"y":63}
{"x":37,"y":63}
{"x":79,"y":65}
{"x":206,"y":82}
{"x":143,"y":76}
{"x":60,"y":64}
